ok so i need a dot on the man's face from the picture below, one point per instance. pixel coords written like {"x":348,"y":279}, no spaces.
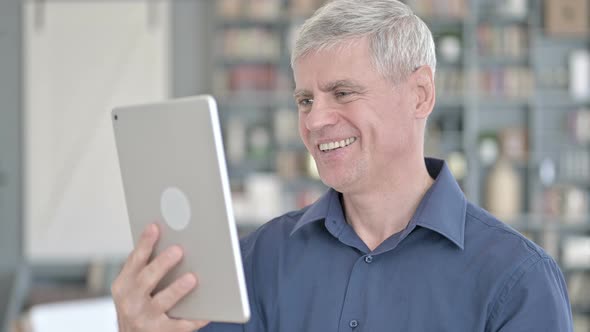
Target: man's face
{"x":358,"y":126}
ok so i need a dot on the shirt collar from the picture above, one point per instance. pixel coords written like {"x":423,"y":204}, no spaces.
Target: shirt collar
{"x":441,"y":210}
{"x":327,"y":207}
{"x":443,"y":207}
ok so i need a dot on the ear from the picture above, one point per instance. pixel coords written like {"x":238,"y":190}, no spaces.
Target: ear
{"x":423,"y":78}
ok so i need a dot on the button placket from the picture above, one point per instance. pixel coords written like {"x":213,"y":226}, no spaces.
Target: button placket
{"x":352,"y":309}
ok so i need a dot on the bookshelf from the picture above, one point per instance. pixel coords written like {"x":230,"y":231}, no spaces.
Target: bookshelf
{"x":254,"y":87}
{"x":526,"y":98}
{"x":503,"y":79}
{"x":503,"y":90}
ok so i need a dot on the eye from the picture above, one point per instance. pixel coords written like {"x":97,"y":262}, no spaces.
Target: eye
{"x":304,"y":102}
{"x":342,"y":94}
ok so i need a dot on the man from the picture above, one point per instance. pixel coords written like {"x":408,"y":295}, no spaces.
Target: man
{"x":394,"y":246}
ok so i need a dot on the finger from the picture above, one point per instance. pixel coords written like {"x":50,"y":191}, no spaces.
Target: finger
{"x":199,"y":324}
{"x":151,"y":275}
{"x":164,"y":300}
{"x":143,"y":250}
{"x":136,"y":260}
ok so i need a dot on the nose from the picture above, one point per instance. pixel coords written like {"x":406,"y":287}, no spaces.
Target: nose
{"x":320,"y":116}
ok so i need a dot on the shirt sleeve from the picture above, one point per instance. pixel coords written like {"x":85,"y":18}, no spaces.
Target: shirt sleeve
{"x":534,"y":299}
{"x":253,"y":325}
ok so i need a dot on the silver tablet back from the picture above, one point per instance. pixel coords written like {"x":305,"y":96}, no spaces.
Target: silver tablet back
{"x":174,"y":173}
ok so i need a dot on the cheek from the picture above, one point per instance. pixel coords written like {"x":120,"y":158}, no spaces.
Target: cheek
{"x":301,"y":125}
{"x":395,"y":131}
{"x":303,"y":132}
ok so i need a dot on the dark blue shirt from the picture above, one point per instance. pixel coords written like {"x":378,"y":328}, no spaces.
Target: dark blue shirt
{"x":454,"y":268}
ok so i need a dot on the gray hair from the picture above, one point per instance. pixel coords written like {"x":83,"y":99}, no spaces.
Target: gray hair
{"x":400,"y":41}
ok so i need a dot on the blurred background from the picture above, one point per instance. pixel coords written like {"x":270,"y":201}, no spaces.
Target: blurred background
{"x":512,"y":119}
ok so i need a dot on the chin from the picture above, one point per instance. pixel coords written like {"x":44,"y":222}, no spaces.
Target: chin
{"x":344,"y":179}
{"x":337,"y":182}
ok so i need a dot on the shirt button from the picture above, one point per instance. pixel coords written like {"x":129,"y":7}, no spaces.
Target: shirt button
{"x":353,"y":323}
{"x":368,"y":259}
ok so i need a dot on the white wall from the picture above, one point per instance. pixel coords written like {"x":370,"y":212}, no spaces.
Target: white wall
{"x":81,"y":59}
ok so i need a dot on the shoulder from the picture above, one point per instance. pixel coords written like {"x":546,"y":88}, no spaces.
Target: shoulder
{"x":271,"y":234}
{"x":513,"y":265}
{"x":503,"y":255}
{"x":486,"y":230}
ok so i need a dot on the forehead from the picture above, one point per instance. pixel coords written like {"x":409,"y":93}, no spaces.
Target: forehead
{"x":343,"y":61}
{"x":345,"y":49}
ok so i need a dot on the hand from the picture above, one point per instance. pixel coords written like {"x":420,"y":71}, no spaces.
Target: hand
{"x":137,"y":309}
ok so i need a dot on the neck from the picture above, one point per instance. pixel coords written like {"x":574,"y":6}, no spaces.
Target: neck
{"x":386,"y":209}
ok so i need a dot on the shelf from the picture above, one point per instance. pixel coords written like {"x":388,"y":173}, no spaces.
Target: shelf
{"x":71,"y":272}
{"x":576,"y":269}
{"x":443,"y":25}
{"x":291,"y":146}
{"x":442,"y":63}
{"x":302,"y":183}
{"x":231,"y":61}
{"x":581,"y":310}
{"x":249,"y":166}
{"x":244,"y":113}
{"x":534,"y":222}
{"x":488,"y":102}
{"x":452,"y":135}
{"x":573,"y":182}
{"x":551,"y":98}
{"x":449,"y":102}
{"x":442,"y":20}
{"x":502,"y":20}
{"x":540,"y":38}
{"x":256,"y":99}
{"x":252,"y":22}
{"x":503,"y":61}
{"x":246,"y":227}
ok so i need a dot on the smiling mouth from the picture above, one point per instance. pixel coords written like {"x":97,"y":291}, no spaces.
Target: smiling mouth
{"x":325,"y":147}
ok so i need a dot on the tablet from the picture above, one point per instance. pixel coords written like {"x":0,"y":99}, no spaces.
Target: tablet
{"x":174,"y":173}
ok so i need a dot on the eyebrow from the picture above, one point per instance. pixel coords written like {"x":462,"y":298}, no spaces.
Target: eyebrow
{"x":301,"y":93}
{"x":330,"y":86}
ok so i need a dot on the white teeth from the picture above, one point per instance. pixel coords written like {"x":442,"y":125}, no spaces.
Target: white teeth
{"x":337,"y":144}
